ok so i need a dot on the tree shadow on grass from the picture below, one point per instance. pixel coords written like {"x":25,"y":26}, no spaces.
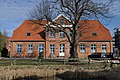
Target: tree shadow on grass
{"x":82,"y":75}
{"x":107,"y":74}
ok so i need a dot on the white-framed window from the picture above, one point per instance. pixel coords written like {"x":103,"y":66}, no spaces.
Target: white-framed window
{"x":82,"y":48}
{"x":19,"y":48}
{"x":30,"y":48}
{"x":52,"y":48}
{"x":62,"y":48}
{"x":104,"y":48}
{"x":52,"y":34}
{"x":40,"y":48}
{"x":61,"y":34}
{"x":93,"y":48}
{"x":62,"y":21}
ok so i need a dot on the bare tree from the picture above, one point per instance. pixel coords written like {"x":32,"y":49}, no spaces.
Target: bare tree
{"x":75,"y":10}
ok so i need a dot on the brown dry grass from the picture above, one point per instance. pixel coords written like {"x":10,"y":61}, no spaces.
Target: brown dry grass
{"x":68,"y":71}
{"x":13,"y":72}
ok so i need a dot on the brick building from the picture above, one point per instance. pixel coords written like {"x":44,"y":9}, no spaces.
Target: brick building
{"x":30,"y":39}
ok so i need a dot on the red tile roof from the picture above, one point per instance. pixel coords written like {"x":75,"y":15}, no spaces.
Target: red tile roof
{"x":93,"y":30}
{"x":29,"y":26}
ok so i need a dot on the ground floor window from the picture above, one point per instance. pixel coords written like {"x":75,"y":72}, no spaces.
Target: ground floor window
{"x":82,"y":48}
{"x":93,"y":48}
{"x":62,"y":48}
{"x":41,"y":48}
{"x":104,"y":48}
{"x":52,"y":48}
{"x":19,"y":48}
{"x":30,"y":48}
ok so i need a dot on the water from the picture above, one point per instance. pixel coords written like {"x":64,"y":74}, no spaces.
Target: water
{"x":49,"y":78}
{"x":37,"y":78}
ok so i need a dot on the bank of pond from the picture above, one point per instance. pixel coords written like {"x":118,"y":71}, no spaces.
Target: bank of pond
{"x":58,"y":72}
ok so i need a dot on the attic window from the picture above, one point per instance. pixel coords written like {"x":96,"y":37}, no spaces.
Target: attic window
{"x":28,"y":34}
{"x":94,"y":34}
{"x":62,"y":21}
{"x":80,"y":34}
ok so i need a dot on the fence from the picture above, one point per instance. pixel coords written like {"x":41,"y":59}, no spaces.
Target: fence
{"x":55,"y":61}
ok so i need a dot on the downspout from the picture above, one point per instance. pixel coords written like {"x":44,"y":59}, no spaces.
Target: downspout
{"x":45,"y":48}
{"x":110,"y":46}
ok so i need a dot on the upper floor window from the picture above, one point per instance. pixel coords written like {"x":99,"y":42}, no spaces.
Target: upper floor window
{"x":28,"y":34}
{"x":62,"y":21}
{"x":82,"y":48}
{"x":61,"y":34}
{"x":52,"y":48}
{"x":93,"y":48}
{"x":52,"y":34}
{"x":19,"y":48}
{"x":41,"y":48}
{"x":104,"y":48}
{"x":30,"y":48}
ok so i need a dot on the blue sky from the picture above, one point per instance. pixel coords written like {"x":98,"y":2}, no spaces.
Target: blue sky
{"x":14,"y":12}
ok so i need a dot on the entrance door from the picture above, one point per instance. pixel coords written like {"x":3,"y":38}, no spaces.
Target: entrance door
{"x":62,"y":50}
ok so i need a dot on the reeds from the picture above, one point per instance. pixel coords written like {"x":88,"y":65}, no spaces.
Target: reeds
{"x":71,"y":72}
{"x":13,"y":72}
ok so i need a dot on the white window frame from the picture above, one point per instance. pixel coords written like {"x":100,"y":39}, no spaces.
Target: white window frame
{"x":40,"y":48}
{"x":62,"y":48}
{"x":19,"y":48}
{"x":104,"y":48}
{"x":61,"y":34}
{"x":52,"y":48}
{"x":30,"y":48}
{"x":82,"y":48}
{"x":93,"y":48}
{"x":52,"y":34}
{"x":62,"y":21}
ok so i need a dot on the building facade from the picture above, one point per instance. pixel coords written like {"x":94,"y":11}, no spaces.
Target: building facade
{"x":31,"y":39}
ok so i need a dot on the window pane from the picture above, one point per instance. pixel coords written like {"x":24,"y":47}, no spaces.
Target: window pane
{"x":30,"y":48}
{"x":19,"y":48}
{"x":62,"y":48}
{"x":93,"y":48}
{"x":104,"y":48}
{"x":52,"y":34}
{"x":52,"y":48}
{"x":82,"y":48}
{"x":61,"y":34}
{"x":40,"y":48}
{"x":62,"y":21}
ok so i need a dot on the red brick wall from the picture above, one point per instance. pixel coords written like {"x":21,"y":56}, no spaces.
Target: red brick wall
{"x":57,"y":42}
{"x":98,"y":45}
{"x":25,"y":49}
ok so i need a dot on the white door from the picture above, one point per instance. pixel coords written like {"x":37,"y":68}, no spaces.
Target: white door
{"x":62,"y":50}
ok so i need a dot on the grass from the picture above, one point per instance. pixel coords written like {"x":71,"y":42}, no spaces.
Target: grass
{"x":30,"y":61}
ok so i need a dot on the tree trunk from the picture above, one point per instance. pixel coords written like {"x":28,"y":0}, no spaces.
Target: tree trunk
{"x":73,"y":51}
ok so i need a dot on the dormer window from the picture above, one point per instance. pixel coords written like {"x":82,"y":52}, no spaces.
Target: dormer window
{"x":28,"y":34}
{"x":62,"y":21}
{"x":94,"y":34}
